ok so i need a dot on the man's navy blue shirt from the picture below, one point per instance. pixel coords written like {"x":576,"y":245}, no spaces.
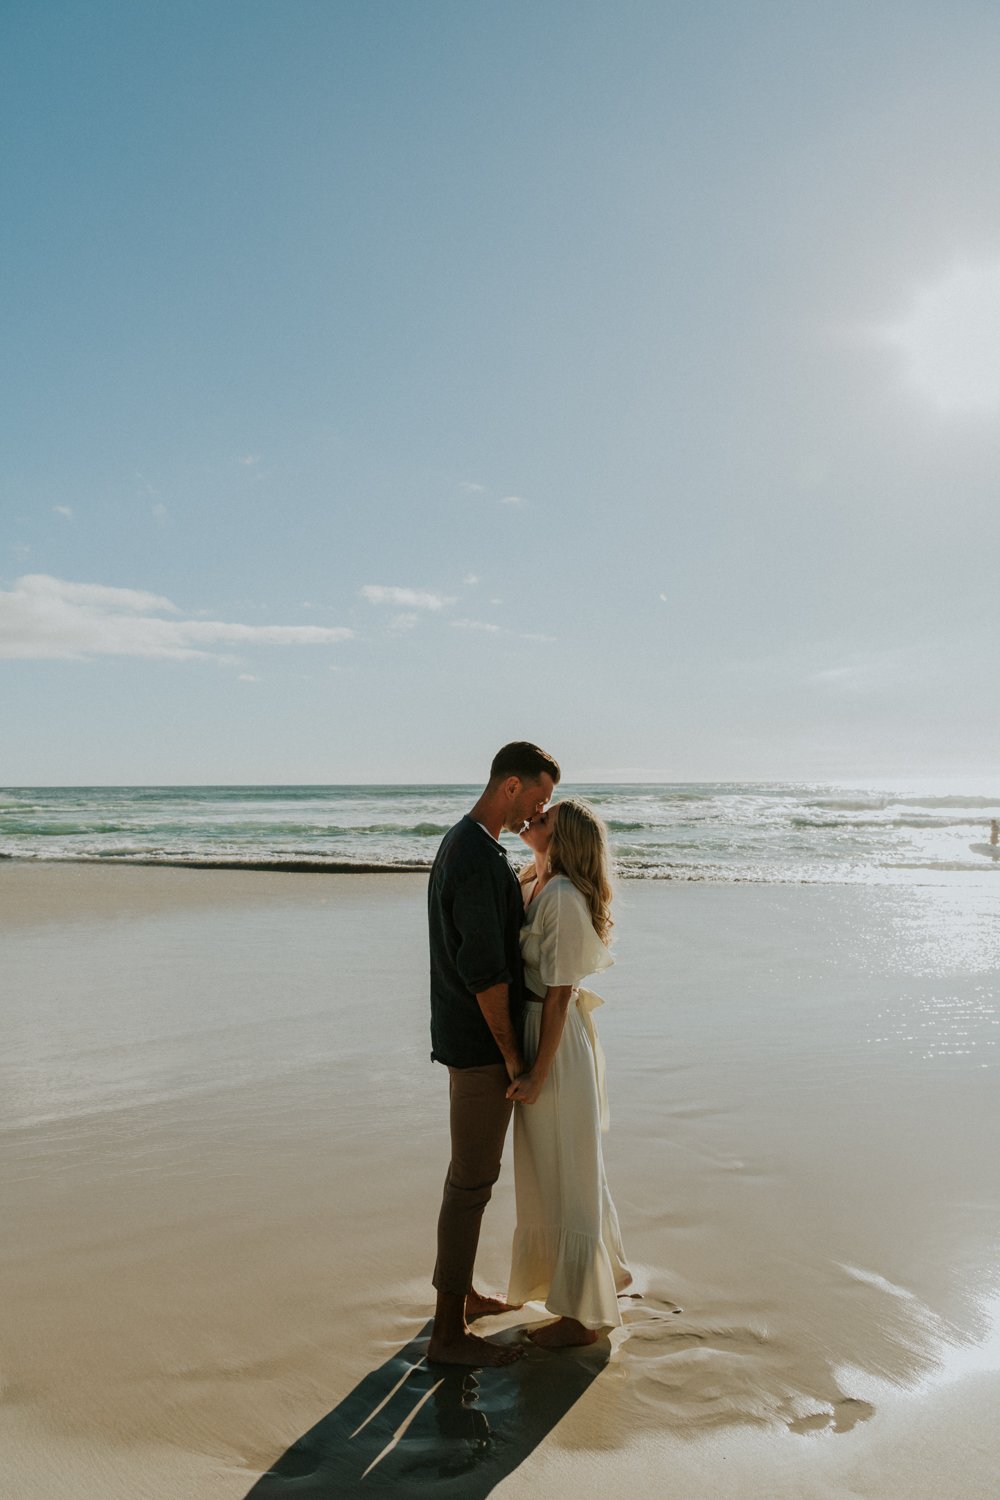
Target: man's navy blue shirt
{"x":475,"y":911}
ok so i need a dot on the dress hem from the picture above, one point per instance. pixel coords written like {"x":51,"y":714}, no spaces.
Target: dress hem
{"x":571,"y":1272}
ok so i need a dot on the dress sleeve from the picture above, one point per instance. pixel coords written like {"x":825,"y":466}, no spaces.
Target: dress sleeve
{"x":570,"y":948}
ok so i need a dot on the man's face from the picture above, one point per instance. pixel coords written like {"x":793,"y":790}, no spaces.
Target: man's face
{"x":538,"y":833}
{"x":526,"y":800}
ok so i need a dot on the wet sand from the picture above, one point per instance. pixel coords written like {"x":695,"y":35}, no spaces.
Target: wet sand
{"x":221,"y":1148}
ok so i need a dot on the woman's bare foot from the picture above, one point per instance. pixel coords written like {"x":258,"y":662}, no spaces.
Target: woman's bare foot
{"x":468,"y":1349}
{"x":478,"y":1305}
{"x":564,"y":1333}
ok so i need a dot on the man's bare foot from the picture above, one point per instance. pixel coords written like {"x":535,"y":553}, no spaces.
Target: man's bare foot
{"x":564,"y":1333}
{"x":478,"y":1305}
{"x":469,"y":1349}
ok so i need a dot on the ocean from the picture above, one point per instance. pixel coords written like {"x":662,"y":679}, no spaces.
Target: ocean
{"x":788,"y":832}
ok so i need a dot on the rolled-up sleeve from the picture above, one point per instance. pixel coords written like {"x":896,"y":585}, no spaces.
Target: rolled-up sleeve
{"x":480,"y":957}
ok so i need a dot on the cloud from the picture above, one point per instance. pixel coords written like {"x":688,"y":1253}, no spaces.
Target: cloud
{"x":378,"y":593}
{"x":869,"y":671}
{"x":399,"y":623}
{"x":40,"y":587}
{"x":44,"y":617}
{"x":64,"y":510}
{"x":480,"y":489}
{"x":470,"y":579}
{"x":250,"y":461}
{"x":486,"y":627}
{"x":159,"y":513}
{"x":475,"y":625}
{"x":248,"y":677}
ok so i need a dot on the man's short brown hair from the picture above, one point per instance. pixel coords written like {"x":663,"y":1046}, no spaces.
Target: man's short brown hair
{"x":521,"y":758}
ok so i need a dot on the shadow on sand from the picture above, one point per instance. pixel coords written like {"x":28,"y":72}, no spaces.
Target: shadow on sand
{"x":410,"y":1425}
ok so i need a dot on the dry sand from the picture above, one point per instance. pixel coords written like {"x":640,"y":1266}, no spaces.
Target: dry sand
{"x":221,"y":1149}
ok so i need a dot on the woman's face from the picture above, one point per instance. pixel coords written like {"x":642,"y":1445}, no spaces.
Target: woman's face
{"x":538,"y":833}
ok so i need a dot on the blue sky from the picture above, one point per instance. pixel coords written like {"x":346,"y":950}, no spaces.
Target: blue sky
{"x":384,"y":381}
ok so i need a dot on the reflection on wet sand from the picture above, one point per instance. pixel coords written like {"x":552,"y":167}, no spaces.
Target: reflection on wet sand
{"x":411,"y":1424}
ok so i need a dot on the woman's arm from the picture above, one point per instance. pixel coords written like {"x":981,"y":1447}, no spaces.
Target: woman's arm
{"x":526,"y":1088}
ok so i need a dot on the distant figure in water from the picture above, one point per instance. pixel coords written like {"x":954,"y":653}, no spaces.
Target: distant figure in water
{"x":995,"y":831}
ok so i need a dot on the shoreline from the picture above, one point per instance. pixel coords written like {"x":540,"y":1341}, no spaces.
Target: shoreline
{"x":277,"y":867}
{"x":902,"y":874}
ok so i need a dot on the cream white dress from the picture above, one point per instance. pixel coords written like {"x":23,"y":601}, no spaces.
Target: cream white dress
{"x":567,"y":1244}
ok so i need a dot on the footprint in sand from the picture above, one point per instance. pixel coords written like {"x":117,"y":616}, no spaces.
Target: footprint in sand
{"x":845,"y":1415}
{"x":651,"y":1306}
{"x":650,"y":1335}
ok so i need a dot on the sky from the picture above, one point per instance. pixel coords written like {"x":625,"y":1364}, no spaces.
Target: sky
{"x":385,"y":381}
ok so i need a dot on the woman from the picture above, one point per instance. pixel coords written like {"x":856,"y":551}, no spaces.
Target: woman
{"x":567,"y":1245}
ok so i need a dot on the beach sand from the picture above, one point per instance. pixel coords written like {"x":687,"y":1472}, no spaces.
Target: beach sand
{"x":222,"y":1144}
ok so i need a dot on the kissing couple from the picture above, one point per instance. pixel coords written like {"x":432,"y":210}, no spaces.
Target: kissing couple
{"x":515,"y":1030}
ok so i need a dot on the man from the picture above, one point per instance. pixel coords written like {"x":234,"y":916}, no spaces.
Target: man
{"x":475,"y":913}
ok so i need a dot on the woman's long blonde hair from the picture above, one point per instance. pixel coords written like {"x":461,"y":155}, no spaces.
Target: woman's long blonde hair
{"x":579,"y":850}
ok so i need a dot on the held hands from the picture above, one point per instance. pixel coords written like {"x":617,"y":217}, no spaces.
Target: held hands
{"x":526,"y":1088}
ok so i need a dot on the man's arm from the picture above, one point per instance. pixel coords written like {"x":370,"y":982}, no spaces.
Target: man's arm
{"x":495,"y":1006}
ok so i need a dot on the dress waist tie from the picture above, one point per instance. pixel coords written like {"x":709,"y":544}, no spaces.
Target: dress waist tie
{"x":587,"y":1002}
